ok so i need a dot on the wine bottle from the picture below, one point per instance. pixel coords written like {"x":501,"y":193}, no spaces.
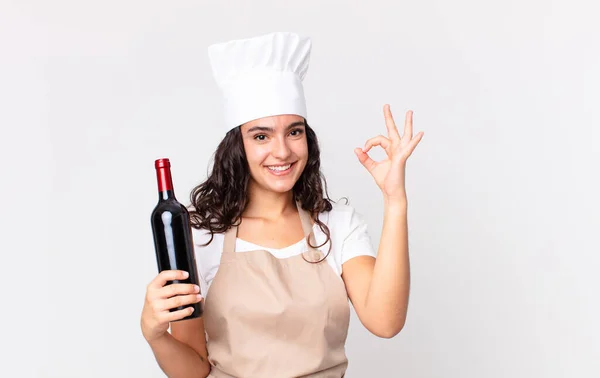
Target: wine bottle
{"x":173,"y":241}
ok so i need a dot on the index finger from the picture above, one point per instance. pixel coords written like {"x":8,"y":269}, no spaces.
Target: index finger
{"x":168,"y":275}
{"x":390,"y":124}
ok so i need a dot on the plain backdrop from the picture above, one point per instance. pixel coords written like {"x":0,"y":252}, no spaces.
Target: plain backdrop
{"x":503,"y":188}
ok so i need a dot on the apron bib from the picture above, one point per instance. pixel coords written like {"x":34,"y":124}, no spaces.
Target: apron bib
{"x":275,"y":318}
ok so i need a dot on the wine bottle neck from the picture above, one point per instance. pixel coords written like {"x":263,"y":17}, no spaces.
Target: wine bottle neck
{"x":166,"y":195}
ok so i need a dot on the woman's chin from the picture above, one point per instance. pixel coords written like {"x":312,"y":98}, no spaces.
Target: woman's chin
{"x":281,"y":187}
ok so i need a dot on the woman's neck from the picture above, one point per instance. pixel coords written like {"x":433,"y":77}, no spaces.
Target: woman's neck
{"x":269,"y":205}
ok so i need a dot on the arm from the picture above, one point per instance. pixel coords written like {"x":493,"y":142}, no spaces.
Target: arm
{"x":379,"y":289}
{"x":182,"y":353}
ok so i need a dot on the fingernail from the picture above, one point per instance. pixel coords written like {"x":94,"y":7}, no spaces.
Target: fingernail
{"x":185,"y":274}
{"x":198,"y":296}
{"x":196,"y":288}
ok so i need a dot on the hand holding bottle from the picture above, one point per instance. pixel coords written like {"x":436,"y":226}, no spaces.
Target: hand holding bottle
{"x":162,"y":298}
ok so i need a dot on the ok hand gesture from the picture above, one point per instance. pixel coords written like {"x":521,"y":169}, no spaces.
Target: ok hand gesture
{"x":389,"y":173}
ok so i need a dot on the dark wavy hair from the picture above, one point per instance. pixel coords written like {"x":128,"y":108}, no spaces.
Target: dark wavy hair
{"x":218,"y":202}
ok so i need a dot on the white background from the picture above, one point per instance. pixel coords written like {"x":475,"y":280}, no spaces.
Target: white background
{"x":503,"y":188}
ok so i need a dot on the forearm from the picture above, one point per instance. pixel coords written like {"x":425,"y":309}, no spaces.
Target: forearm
{"x":177,"y":359}
{"x":390,"y":284}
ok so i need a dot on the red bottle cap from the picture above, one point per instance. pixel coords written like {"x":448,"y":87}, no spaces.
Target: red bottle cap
{"x":162,"y":163}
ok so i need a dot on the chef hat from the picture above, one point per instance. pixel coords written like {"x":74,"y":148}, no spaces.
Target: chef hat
{"x":261,"y":76}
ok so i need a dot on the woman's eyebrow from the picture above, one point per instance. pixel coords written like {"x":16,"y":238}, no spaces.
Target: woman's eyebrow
{"x":271,"y":129}
{"x":260,"y":128}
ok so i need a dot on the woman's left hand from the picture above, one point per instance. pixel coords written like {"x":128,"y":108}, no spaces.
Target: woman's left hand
{"x":389,"y":173}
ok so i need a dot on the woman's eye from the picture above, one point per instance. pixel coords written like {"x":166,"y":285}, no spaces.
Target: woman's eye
{"x":260,"y":137}
{"x":296,"y":132}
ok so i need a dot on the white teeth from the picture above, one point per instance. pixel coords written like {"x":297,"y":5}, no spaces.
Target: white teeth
{"x":279,"y":167}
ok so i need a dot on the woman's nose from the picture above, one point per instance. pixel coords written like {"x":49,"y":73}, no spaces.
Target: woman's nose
{"x":281,"y":149}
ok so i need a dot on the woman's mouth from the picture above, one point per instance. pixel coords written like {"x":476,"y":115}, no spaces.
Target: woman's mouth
{"x":280,"y":170}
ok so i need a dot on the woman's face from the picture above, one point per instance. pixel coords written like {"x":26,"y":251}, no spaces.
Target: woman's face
{"x":276,"y":151}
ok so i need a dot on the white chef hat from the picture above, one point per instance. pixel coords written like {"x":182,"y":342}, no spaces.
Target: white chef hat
{"x":261,"y":76}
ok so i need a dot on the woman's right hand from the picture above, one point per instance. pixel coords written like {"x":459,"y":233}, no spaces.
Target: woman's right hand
{"x":160,"y":298}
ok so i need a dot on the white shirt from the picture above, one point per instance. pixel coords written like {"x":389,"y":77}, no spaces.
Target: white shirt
{"x":349,"y":238}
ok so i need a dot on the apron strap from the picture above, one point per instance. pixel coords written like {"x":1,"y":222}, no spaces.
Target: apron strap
{"x":229,"y":240}
{"x":306,"y":225}
{"x":313,"y":254}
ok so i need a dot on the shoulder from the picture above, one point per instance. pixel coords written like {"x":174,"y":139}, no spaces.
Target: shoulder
{"x":202,"y":239}
{"x":207,"y":254}
{"x":342,"y":218}
{"x":348,"y":235}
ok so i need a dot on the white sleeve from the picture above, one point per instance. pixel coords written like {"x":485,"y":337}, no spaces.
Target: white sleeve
{"x":357,"y":241}
{"x":202,"y":254}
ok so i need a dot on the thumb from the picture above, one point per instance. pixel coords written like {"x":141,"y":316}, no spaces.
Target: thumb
{"x":364,"y":159}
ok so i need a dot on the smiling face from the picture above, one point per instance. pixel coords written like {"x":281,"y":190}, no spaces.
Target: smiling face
{"x":276,"y":150}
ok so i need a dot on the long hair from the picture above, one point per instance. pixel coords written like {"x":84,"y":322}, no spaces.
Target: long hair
{"x":218,"y":202}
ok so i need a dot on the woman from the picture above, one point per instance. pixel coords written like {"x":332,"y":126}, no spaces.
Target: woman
{"x":278,"y":259}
